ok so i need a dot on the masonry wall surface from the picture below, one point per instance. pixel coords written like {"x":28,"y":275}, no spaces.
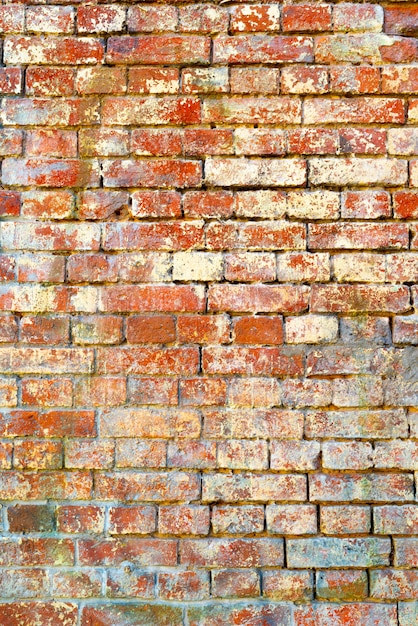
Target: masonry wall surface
{"x":208,"y":327}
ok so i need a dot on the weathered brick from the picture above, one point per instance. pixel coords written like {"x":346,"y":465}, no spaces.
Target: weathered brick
{"x":236,"y":520}
{"x":183,"y":520}
{"x":235,"y":583}
{"x":149,"y":18}
{"x":341,"y":585}
{"x":345,"y":519}
{"x":263,"y":424}
{"x":242,"y":49}
{"x":158,"y":49}
{"x":362,"y":487}
{"x":250,"y":110}
{"x":253,"y":487}
{"x":291,"y":519}
{"x":184,"y":586}
{"x":288,"y":585}
{"x":327,"y":552}
{"x":53,"y":50}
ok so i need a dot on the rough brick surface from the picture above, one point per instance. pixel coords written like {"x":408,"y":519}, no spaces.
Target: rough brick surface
{"x":209,"y":312}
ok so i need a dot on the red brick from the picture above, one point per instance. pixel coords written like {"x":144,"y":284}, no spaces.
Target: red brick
{"x":9,"y":203}
{"x":345,"y":519}
{"x":208,"y":141}
{"x":44,"y":392}
{"x":85,"y":583}
{"x":136,"y":520}
{"x":12,"y":19}
{"x":50,"y":20}
{"x":161,"y":173}
{"x":50,"y":172}
{"x":364,"y":110}
{"x":202,"y":392}
{"x":201,"y":18}
{"x":355,"y":80}
{"x":51,"y":112}
{"x":256,"y":17}
{"x":262,"y":423}
{"x":51,"y":143}
{"x":313,"y":141}
{"x":148,"y":80}
{"x":402,"y":79}
{"x":100,"y":391}
{"x":365,"y":204}
{"x":153,"y":236}
{"x":401,"y":20}
{"x":58,"y":50}
{"x":342,"y":585}
{"x":90,"y":454}
{"x":304,"y":80}
{"x":359,"y":298}
{"x":203,"y":329}
{"x":242,"y":49}
{"x":153,"y":391}
{"x":100,"y":19}
{"x":138,"y":551}
{"x":152,"y":17}
{"x":254,"y":80}
{"x":288,"y":585}
{"x":179,"y":298}
{"x":50,"y":81}
{"x":184,"y":586}
{"x":57,"y":204}
{"x":150,"y":329}
{"x":306,"y":18}
{"x":156,"y":142}
{"x":158,"y":49}
{"x":258,"y":330}
{"x":155,"y":204}
{"x":257,"y":299}
{"x":98,"y":80}
{"x":359,"y":236}
{"x":139,"y":453}
{"x":51,"y":613}
{"x":80,"y":519}
{"x":250,"y":110}
{"x":352,"y":17}
{"x":183,"y":520}
{"x":37,"y":455}
{"x":235,"y":584}
{"x":231,"y":552}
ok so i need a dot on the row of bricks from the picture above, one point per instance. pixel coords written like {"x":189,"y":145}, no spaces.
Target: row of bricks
{"x":173,"y":486}
{"x":227,"y":172}
{"x":201,"y":329}
{"x":137,"y":426}
{"x":171,"y":49}
{"x":291,"y":79}
{"x":181,"y":237}
{"x":224,"y":110}
{"x":198,"y":142}
{"x":226,"y":360}
{"x":192,"y":586}
{"x":203,"y":18}
{"x":213,"y":614}
{"x":266,"y":204}
{"x":236,"y":454}
{"x":369,"y":391}
{"x":242,"y":267}
{"x":252,"y":298}
{"x":316,"y":552}
{"x":185,"y":519}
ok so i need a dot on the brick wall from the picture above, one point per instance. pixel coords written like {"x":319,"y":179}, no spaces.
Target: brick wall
{"x":209,"y":369}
